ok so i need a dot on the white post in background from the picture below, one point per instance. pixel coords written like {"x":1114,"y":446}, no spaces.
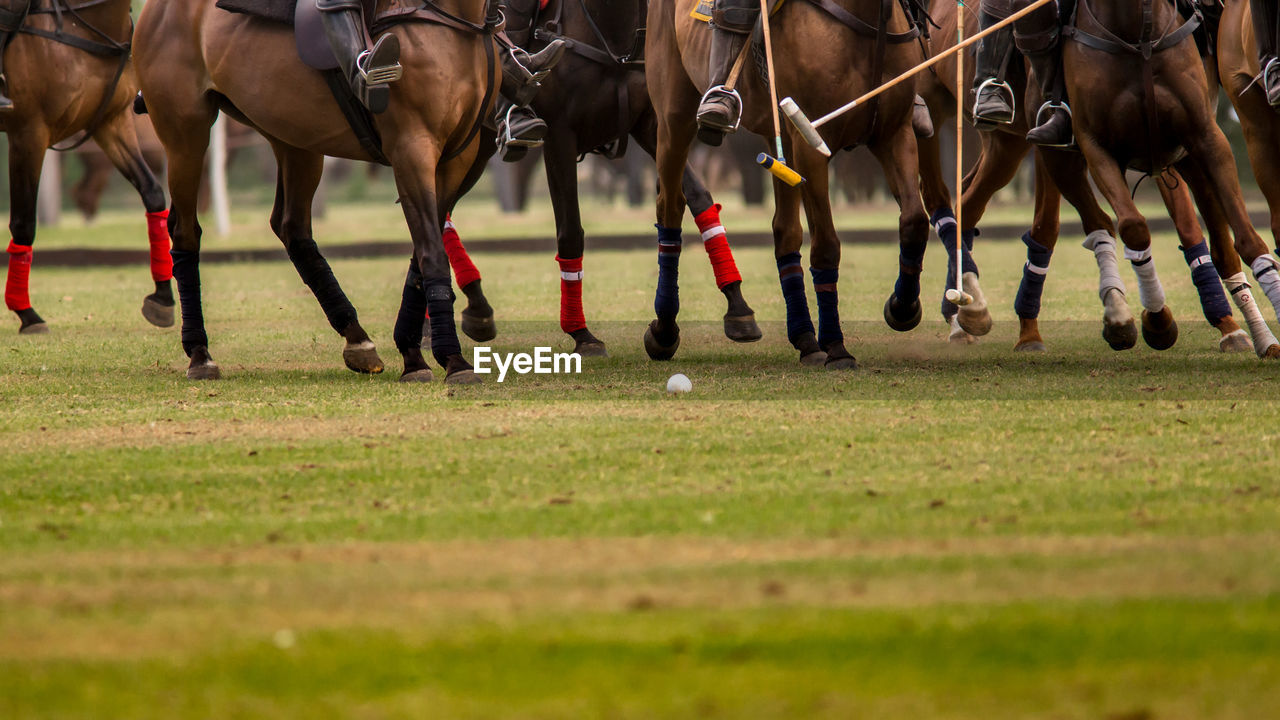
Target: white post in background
{"x":49,"y":203}
{"x":218,"y":177}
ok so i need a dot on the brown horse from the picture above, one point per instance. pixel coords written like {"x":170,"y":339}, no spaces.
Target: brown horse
{"x":1002,"y":151}
{"x":196,"y":60}
{"x":1142,"y":99}
{"x":823,"y":59}
{"x":69,"y":76}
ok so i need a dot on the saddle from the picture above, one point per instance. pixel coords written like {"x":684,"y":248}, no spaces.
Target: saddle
{"x":315,"y":52}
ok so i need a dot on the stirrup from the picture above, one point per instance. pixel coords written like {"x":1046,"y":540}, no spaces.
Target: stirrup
{"x":1049,"y":105}
{"x":1271,"y":72}
{"x":725,"y":92}
{"x":1001,"y":86}
{"x":379,"y":75}
{"x":506,"y":139}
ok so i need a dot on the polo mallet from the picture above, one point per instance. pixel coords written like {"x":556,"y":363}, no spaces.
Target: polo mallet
{"x":776,"y":165}
{"x":957,"y":295}
{"x":809,"y":130}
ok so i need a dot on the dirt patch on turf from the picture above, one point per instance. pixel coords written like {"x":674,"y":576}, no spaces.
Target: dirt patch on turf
{"x":98,"y":604}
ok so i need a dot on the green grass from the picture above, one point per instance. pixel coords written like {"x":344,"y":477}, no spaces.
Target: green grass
{"x":947,"y":532}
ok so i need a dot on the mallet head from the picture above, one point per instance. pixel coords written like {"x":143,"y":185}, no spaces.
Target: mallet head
{"x":779,"y":169}
{"x":803,"y":126}
{"x":958,"y":297}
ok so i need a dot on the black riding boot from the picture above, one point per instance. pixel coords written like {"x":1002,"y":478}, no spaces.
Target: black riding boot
{"x":1266,"y":23}
{"x":993,"y":102}
{"x":10,"y":20}
{"x":720,"y":111}
{"x":1036,"y":35}
{"x":522,"y":72}
{"x":370,"y":71}
{"x":519,"y":130}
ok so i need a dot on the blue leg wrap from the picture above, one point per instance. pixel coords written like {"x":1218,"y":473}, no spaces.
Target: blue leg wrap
{"x":791,"y":275}
{"x":824,"y":289}
{"x":1213,"y":300}
{"x":444,"y":334}
{"x":1027,"y":303}
{"x":186,"y":274}
{"x":947,"y":234}
{"x":666,"y":301}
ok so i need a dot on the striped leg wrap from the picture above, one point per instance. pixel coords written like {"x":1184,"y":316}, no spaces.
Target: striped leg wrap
{"x":666,"y":301}
{"x":791,"y":275}
{"x":944,"y":224}
{"x":158,"y":238}
{"x":1150,"y":291}
{"x":464,"y":271}
{"x":824,"y":290}
{"x":571,"y":315}
{"x":716,"y":243}
{"x":1268,"y":277}
{"x":1212,"y":299}
{"x":16,"y":287}
{"x":1104,"y":251}
{"x":1027,"y":302}
{"x":1238,"y":286}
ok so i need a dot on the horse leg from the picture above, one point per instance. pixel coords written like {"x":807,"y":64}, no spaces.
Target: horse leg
{"x":1213,"y":301}
{"x":675,"y":134}
{"x":559,"y":158}
{"x":787,"y":239}
{"x":118,"y":138}
{"x":477,"y":316}
{"x":739,"y":319}
{"x":1040,"y":241}
{"x":824,"y":256}
{"x":897,"y":157}
{"x":1227,"y":261}
{"x":417,"y":185}
{"x":298,"y":177}
{"x":26,"y":160}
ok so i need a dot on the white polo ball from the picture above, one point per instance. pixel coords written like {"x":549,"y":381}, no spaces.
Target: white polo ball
{"x":678,"y":383}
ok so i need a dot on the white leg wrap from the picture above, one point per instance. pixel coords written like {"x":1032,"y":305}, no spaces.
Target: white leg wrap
{"x":1104,"y":251}
{"x":1149,"y":289}
{"x":1238,"y":287}
{"x":1267,"y":272}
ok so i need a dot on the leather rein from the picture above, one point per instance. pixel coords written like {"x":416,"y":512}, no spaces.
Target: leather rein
{"x":1147,"y":46}
{"x":107,"y":47}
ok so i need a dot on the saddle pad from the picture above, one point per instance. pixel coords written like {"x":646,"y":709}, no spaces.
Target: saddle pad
{"x":280,"y":11}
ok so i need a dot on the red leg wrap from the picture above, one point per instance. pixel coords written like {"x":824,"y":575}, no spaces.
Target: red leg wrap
{"x":158,"y":236}
{"x":717,"y":246}
{"x":464,"y":271}
{"x":16,"y":297}
{"x":571,"y":315}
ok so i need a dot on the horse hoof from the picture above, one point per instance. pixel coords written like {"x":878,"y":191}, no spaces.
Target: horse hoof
{"x":591,"y":348}
{"x":655,"y":349}
{"x":1272,"y":353}
{"x":157,"y":313}
{"x":1159,"y":330}
{"x":974,"y":322}
{"x":838,"y":358}
{"x":1030,"y":346}
{"x":480,"y":328}
{"x":417,"y":376}
{"x":1122,"y":336}
{"x":39,"y":328}
{"x":462,"y":377}
{"x":1235,"y":342}
{"x":813,"y":359}
{"x":742,"y":328}
{"x":207,"y":370}
{"x":901,"y":318}
{"x":362,"y":358}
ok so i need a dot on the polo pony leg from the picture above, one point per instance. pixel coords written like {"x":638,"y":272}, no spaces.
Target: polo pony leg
{"x":1264,"y":342}
{"x":477,"y":316}
{"x":739,"y":319}
{"x":1027,"y":302}
{"x":1118,"y":326}
{"x":26,"y":160}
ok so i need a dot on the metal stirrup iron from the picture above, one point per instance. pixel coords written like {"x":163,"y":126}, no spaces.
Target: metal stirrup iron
{"x":379,"y":75}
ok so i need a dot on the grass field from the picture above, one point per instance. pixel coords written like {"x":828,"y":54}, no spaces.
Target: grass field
{"x":945,"y":533}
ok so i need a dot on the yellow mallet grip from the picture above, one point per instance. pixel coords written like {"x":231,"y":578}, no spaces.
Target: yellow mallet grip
{"x":779,"y":169}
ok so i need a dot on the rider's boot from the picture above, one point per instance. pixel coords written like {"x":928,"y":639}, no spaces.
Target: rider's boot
{"x":11,"y":18}
{"x":370,"y":70}
{"x":1036,"y":36}
{"x":523,"y":72}
{"x":1266,"y":24}
{"x":519,"y":130}
{"x":993,"y":102}
{"x":721,"y":108}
